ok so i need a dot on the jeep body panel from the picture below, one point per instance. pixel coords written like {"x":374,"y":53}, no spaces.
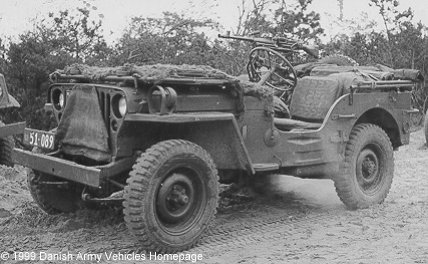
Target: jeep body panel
{"x":231,"y":154}
{"x":323,"y":148}
{"x":216,"y":132}
{"x":238,"y":131}
{"x":245,"y":144}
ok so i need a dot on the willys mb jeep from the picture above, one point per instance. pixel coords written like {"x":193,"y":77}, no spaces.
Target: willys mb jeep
{"x":7,"y":130}
{"x":168,"y":135}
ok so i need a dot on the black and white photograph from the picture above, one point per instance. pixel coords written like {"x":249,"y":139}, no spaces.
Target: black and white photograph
{"x":214,"y":131}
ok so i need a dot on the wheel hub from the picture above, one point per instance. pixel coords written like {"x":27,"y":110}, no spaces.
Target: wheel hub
{"x":175,"y":199}
{"x":367,"y":169}
{"x":178,"y":196}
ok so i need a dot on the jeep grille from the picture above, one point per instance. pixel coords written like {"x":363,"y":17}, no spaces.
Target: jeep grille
{"x":105,"y":101}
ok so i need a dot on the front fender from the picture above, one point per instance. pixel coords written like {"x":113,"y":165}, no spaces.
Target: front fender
{"x":218,"y":133}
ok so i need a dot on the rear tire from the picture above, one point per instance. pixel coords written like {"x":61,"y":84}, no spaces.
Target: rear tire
{"x":53,"y":199}
{"x":367,"y":171}
{"x":171,"y":196}
{"x":6,"y":146}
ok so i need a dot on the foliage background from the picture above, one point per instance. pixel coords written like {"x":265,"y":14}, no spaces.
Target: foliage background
{"x":71,"y":36}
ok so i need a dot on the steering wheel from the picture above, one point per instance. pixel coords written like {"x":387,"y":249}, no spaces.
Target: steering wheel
{"x":282,"y":76}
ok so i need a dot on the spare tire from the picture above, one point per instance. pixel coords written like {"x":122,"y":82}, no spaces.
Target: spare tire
{"x":339,"y":60}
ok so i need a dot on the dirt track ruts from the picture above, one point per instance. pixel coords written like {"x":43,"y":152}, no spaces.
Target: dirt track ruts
{"x":302,"y":221}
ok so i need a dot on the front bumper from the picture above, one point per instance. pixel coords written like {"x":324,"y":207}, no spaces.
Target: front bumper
{"x":89,"y":175}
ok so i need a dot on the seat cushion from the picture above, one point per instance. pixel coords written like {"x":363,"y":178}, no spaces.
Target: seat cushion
{"x":288,"y":124}
{"x":313,"y":97}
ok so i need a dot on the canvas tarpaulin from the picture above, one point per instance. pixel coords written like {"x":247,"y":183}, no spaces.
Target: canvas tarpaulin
{"x":82,"y":130}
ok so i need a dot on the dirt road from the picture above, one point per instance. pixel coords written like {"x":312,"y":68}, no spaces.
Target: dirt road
{"x":301,"y":221}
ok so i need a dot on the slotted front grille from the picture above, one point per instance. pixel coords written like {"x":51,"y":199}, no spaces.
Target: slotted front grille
{"x":104,"y":99}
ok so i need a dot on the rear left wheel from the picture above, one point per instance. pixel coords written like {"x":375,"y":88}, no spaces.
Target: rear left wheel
{"x":171,"y":196}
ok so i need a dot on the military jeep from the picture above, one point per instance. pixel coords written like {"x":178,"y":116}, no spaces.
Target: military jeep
{"x":7,"y":142}
{"x":165,"y":136}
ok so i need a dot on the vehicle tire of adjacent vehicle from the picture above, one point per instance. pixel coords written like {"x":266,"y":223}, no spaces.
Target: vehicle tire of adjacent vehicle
{"x":171,"y":196}
{"x":51,"y":198}
{"x":6,"y":146}
{"x":426,"y":127}
{"x":366,"y":174}
{"x":339,"y":60}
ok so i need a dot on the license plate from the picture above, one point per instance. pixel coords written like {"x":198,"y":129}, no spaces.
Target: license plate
{"x":38,"y":138}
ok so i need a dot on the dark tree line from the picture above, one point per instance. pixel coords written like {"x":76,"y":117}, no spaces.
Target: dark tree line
{"x":70,"y":36}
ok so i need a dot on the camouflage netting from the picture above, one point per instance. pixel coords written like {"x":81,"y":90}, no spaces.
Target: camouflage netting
{"x":162,"y":71}
{"x":257,"y":90}
{"x":156,"y":71}
{"x":263,"y":92}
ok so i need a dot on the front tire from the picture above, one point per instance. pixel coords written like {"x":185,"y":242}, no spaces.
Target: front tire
{"x":171,"y":196}
{"x":367,"y":171}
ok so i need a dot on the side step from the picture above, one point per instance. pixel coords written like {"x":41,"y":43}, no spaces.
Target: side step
{"x":266,"y":166}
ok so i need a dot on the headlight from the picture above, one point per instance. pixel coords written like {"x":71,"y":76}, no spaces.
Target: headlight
{"x":58,"y":99}
{"x":122,"y":106}
{"x":61,"y":100}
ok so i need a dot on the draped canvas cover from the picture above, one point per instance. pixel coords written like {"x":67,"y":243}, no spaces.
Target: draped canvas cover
{"x":82,"y":130}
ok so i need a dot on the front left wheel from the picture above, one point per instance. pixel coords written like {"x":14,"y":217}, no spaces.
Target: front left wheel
{"x":171,"y":196}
